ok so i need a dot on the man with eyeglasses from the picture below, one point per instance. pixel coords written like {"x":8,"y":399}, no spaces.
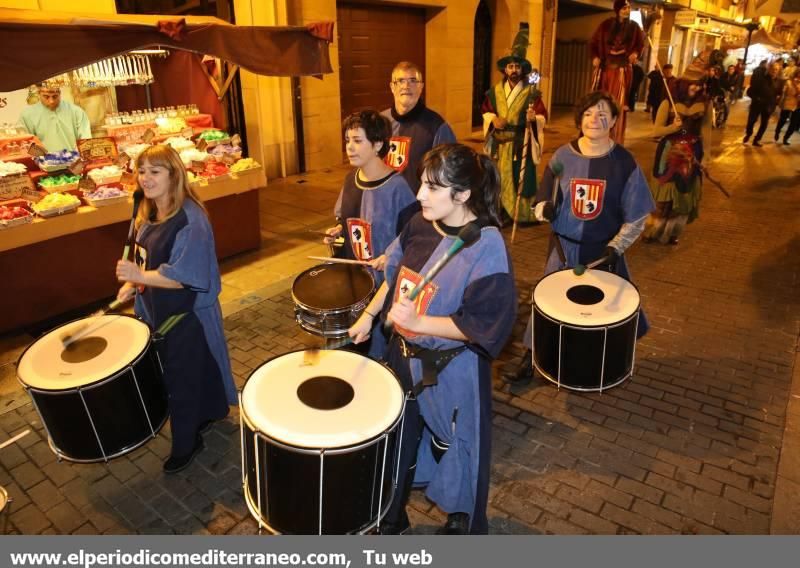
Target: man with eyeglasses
{"x":509,"y":108}
{"x":415,"y":128}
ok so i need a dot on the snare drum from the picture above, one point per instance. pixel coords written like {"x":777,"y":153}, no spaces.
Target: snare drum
{"x":102,"y":396}
{"x":584,"y":329}
{"x":329,"y":298}
{"x":320,"y":432}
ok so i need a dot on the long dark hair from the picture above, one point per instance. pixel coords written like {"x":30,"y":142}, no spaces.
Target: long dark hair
{"x":460,"y":168}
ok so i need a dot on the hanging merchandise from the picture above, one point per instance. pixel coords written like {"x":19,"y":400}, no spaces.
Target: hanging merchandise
{"x":128,"y":69}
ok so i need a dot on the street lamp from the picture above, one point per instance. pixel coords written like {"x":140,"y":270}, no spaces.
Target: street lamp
{"x":750,"y":27}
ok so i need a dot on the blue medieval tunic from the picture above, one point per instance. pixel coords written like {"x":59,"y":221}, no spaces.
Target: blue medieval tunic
{"x":413,"y":135}
{"x":372,"y":214}
{"x":193,"y":353}
{"x":595,"y":196}
{"x":476,"y":289}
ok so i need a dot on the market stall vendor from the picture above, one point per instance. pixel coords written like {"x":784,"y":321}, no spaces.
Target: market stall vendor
{"x":58,"y":124}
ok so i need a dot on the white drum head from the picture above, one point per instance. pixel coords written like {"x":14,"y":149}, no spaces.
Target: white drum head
{"x":595,"y":298}
{"x":286,"y":399}
{"x":113,"y":345}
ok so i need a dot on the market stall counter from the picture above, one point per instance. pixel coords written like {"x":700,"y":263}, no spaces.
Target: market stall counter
{"x":63,"y":263}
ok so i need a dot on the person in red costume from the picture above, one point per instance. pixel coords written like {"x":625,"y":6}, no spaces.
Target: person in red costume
{"x":615,"y":46}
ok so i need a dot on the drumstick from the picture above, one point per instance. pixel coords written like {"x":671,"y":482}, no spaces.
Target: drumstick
{"x":580,"y":269}
{"x":137,"y":199}
{"x":14,"y":439}
{"x":339,"y":260}
{"x":89,"y":326}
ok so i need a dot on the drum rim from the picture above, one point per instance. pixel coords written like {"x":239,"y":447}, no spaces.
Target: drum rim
{"x":316,"y":449}
{"x":4,"y":498}
{"x":131,"y":363}
{"x":578,"y":326}
{"x":609,"y":325}
{"x":301,"y":304}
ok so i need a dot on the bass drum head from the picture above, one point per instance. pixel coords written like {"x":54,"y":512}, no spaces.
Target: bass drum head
{"x":595,"y":298}
{"x":332,"y":286}
{"x":322,"y":399}
{"x":115,"y":343}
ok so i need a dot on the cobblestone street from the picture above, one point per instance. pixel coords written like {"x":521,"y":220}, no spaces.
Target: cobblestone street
{"x":704,"y":439}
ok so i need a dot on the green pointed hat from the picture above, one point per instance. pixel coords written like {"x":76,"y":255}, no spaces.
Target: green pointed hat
{"x":518,"y":54}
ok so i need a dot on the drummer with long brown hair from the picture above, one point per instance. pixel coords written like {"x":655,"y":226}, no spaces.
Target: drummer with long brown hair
{"x":596,"y":198}
{"x":177,"y":278}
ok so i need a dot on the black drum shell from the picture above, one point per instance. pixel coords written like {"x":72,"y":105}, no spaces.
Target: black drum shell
{"x":288,"y":487}
{"x":585,"y":365}
{"x":123,"y":410}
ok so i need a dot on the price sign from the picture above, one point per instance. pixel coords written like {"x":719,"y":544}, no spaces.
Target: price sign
{"x":77,"y":167}
{"x":202,"y":145}
{"x":236,"y":140}
{"x":12,"y":187}
{"x":187,"y":132}
{"x":87,"y":184}
{"x":98,"y":150}
{"x":148,"y":136}
{"x":36,"y":151}
{"x":198,"y":166}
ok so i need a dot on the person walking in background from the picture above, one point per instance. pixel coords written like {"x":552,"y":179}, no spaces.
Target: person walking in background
{"x":790,"y":108}
{"x":765,"y":90}
{"x":656,"y":92}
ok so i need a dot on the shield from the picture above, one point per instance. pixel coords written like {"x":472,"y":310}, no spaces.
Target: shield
{"x":407,"y":280}
{"x":360,"y":232}
{"x":399,"y":152}
{"x":587,"y":197}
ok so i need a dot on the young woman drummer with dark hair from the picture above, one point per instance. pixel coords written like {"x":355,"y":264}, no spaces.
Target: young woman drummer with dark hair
{"x":444,"y":340}
{"x":596,"y":198}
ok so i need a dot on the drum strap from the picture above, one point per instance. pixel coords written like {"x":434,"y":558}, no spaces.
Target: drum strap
{"x":433,"y":361}
{"x":573,"y":241}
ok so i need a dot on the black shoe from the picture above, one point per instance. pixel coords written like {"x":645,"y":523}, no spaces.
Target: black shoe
{"x":746,"y":139}
{"x":177,"y":463}
{"x":399,"y":527}
{"x":457,"y":523}
{"x":672,"y":241}
{"x":756,"y":143}
{"x":524,"y":374}
{"x":786,"y":143}
{"x":776,"y":137}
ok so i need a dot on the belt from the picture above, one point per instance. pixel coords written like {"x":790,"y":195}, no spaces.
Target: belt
{"x":433,"y":361}
{"x":577,"y":242}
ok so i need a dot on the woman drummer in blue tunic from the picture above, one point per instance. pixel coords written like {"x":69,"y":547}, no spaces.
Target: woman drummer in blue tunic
{"x":177,"y":276}
{"x":445,"y":339}
{"x":596,"y":198}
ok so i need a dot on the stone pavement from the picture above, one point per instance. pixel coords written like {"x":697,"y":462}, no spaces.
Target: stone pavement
{"x":703,"y":439}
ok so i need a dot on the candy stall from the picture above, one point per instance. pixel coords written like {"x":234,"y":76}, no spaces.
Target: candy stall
{"x":64,"y":215}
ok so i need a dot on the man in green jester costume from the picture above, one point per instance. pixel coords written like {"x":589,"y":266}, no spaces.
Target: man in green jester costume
{"x":507,"y":108}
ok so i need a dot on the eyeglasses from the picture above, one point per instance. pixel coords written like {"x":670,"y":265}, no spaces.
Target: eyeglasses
{"x":413,"y":82}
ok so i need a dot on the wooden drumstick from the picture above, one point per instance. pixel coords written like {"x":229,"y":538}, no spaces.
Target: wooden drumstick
{"x":14,"y":439}
{"x":89,"y":326}
{"x":335,"y":260}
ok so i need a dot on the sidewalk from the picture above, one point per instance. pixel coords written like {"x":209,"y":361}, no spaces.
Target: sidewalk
{"x":704,"y":438}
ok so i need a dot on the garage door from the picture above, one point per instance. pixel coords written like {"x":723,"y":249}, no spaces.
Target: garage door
{"x":372,"y":39}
